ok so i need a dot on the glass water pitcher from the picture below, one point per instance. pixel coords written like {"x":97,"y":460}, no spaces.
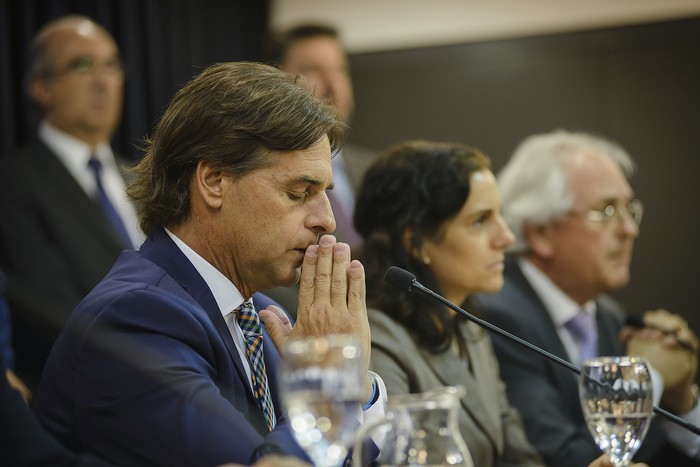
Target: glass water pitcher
{"x":419,"y":430}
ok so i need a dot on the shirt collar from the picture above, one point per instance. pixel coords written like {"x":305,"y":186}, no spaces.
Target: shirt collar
{"x":559,"y":305}
{"x":227,"y":296}
{"x":72,"y":152}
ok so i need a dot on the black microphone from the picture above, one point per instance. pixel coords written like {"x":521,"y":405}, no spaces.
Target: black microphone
{"x":404,"y":280}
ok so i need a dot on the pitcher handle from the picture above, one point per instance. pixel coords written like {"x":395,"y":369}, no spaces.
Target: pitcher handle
{"x":364,"y":431}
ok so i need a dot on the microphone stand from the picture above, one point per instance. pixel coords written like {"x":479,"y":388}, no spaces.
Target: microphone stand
{"x":401,"y":275}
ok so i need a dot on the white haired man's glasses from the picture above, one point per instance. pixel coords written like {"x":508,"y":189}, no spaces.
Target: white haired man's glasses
{"x":634,"y":210}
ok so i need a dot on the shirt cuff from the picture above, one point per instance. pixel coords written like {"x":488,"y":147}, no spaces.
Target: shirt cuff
{"x":375,"y":392}
{"x":377,"y":410}
{"x":378,"y":400}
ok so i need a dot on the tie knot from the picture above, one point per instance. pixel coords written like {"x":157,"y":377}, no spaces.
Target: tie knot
{"x":584,"y":330}
{"x":248,"y":319}
{"x":95,"y":164}
{"x":582,"y":325}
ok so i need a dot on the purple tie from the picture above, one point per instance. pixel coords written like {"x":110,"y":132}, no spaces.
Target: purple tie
{"x":107,"y":207}
{"x":583,"y":328}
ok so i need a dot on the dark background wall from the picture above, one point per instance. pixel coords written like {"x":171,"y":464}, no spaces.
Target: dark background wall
{"x":639,"y":85}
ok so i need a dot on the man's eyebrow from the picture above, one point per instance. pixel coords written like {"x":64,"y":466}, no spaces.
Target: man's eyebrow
{"x":314,"y":182}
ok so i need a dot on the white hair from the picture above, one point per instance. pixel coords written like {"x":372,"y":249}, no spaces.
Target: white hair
{"x":533,"y":184}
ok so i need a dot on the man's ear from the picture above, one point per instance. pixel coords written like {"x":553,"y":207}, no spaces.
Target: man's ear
{"x":539,"y":239}
{"x":208,"y":184}
{"x":39,"y":90}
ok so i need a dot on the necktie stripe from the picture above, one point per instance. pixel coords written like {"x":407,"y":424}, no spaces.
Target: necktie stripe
{"x":249,"y":322}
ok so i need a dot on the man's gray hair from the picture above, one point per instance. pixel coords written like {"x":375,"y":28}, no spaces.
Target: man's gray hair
{"x":533,"y":184}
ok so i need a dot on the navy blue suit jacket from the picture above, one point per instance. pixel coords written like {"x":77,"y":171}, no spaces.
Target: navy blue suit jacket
{"x":146,"y":372}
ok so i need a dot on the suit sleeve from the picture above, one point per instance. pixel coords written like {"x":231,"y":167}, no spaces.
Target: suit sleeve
{"x":24,"y":442}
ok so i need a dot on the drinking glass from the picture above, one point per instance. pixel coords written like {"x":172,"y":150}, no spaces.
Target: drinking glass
{"x":323,"y":382}
{"x":616,"y":398}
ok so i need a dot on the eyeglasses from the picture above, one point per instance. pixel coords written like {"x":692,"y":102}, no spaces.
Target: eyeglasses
{"x":88,"y":65}
{"x":633,"y":210}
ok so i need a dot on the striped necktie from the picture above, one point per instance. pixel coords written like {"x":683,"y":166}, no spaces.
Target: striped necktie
{"x":107,"y":207}
{"x":249,"y":323}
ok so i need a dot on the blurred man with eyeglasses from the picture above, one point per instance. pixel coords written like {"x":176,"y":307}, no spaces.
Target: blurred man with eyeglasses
{"x":65,"y":215}
{"x":567,"y":198}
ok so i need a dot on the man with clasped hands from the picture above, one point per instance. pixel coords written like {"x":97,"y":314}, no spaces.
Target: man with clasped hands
{"x":152,"y":367}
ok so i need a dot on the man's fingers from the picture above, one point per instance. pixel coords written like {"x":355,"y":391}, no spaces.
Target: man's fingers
{"x":356,"y":287}
{"x":339,"y":280}
{"x":277,"y":324}
{"x":308,"y":273}
{"x":324,"y":269}
{"x":665,"y":320}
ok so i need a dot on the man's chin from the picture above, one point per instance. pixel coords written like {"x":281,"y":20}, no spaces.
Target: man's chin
{"x":291,"y":279}
{"x":618,"y":282}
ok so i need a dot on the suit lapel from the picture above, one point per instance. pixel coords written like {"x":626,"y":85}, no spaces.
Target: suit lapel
{"x":57,"y":179}
{"x":546,"y":336}
{"x":161,"y":250}
{"x":608,"y":342}
{"x":533,"y":307}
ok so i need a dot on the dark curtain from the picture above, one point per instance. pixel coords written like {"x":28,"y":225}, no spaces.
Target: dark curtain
{"x":164,"y":43}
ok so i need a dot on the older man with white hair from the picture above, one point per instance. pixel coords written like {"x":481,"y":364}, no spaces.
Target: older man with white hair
{"x":567,"y":198}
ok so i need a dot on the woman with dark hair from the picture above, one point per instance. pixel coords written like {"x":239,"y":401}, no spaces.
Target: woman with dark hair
{"x":433,"y":209}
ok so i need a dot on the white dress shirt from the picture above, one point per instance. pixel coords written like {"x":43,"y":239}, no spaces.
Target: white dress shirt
{"x":74,"y":154}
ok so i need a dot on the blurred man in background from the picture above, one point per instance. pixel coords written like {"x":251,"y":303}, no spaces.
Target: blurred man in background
{"x":65,"y":215}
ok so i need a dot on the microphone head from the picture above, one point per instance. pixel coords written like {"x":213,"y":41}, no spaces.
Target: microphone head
{"x":399,"y":278}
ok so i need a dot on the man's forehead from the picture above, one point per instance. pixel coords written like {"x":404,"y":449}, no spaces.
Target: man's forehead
{"x":306,"y":166}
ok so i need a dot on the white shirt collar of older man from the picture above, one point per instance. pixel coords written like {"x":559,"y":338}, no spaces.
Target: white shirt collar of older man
{"x":561,"y":307}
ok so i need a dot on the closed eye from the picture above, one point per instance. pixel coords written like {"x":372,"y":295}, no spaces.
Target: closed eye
{"x":296,"y":196}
